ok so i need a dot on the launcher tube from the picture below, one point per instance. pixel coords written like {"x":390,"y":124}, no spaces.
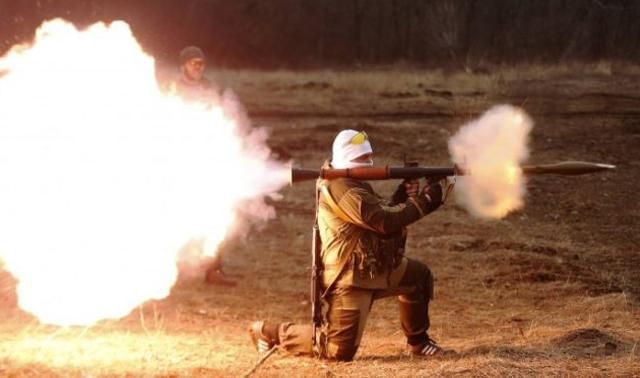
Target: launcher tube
{"x":386,"y":173}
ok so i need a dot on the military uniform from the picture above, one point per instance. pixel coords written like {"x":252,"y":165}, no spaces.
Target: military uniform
{"x":363,"y":243}
{"x":201,"y":91}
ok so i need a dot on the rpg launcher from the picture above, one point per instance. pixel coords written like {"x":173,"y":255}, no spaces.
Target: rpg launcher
{"x":386,"y":173}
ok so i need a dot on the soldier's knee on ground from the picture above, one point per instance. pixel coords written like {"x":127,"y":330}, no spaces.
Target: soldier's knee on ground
{"x":342,"y":352}
{"x":343,"y":337}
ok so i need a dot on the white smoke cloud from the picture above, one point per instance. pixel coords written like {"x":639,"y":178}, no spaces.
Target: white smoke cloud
{"x":104,"y":177}
{"x":492,"y":149}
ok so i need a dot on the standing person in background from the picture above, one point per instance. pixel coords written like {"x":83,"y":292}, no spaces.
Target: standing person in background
{"x":192,"y":85}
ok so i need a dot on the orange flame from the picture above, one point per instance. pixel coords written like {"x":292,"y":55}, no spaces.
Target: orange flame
{"x":104,"y":178}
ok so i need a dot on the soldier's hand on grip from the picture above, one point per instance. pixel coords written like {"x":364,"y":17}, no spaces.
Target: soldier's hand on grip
{"x":411,"y":187}
{"x":431,"y":194}
{"x":406,"y":189}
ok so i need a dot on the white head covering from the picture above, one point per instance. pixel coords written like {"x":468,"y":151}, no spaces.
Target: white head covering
{"x":344,"y":150}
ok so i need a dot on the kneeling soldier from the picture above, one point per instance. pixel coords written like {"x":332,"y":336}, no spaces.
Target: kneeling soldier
{"x":363,"y":238}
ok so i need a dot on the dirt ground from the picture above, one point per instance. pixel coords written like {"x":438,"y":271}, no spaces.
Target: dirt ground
{"x":551,"y":290}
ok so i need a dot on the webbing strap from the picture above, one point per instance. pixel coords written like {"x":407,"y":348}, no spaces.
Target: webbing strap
{"x":342,"y":215}
{"x":338,"y":211}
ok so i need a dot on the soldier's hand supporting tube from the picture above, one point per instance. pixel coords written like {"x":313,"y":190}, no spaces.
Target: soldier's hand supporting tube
{"x":411,"y":187}
{"x":407,"y":188}
{"x":431,"y":196}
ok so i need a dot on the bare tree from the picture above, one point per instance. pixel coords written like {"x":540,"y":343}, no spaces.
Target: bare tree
{"x":445,"y":20}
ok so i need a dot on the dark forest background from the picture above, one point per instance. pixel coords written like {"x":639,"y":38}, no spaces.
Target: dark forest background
{"x":321,"y":33}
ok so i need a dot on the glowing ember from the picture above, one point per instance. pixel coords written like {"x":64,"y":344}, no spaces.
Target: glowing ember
{"x":492,"y":148}
{"x":104,"y":178}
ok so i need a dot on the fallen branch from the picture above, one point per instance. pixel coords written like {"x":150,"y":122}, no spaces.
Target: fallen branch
{"x":260,"y":361}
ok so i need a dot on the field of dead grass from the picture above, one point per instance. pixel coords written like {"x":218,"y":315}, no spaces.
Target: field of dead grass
{"x":551,"y":290}
{"x":604,"y":87}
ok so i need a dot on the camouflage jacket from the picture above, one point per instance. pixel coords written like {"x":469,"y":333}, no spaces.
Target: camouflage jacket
{"x":372,"y":239}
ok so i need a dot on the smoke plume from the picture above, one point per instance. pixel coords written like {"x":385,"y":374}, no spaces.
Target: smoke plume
{"x":105,"y":177}
{"x":491,"y":149}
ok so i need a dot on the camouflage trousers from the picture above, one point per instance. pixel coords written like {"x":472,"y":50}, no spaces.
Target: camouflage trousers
{"x":349,"y":307}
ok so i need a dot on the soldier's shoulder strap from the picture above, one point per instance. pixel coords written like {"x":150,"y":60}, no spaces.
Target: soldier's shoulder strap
{"x":337,"y":210}
{"x":322,"y":187}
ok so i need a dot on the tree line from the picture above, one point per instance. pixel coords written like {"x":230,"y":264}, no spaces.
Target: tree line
{"x":327,"y":33}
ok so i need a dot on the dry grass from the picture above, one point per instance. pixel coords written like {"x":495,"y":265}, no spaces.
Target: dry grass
{"x":418,"y":92}
{"x":551,"y":290}
{"x":378,"y":78}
